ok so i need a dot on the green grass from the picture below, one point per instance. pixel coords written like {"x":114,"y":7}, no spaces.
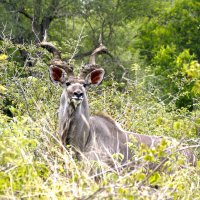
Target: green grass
{"x":34,"y":166}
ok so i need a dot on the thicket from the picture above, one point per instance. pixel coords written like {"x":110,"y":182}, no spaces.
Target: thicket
{"x":151,"y":87}
{"x":170,"y":46}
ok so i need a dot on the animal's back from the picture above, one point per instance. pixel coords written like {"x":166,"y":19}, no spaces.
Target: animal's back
{"x":109,"y":138}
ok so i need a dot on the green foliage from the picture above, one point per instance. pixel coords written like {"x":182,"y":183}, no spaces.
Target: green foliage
{"x":177,"y":25}
{"x":33,"y":163}
{"x":170,"y":44}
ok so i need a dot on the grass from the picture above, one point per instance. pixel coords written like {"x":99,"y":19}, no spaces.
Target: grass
{"x":34,"y":166}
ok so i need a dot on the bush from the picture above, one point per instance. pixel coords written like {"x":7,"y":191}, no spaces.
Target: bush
{"x":34,"y":166}
{"x":169,"y":43}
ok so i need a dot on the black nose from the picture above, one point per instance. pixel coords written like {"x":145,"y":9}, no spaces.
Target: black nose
{"x":78,"y":94}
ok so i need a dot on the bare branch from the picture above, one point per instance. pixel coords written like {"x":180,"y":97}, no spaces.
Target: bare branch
{"x":80,"y":37}
{"x":22,"y":11}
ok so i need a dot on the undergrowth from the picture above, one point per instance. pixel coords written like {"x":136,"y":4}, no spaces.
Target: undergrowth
{"x":33,"y":164}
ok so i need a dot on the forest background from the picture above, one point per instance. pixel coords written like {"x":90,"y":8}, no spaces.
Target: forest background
{"x":152,"y":86}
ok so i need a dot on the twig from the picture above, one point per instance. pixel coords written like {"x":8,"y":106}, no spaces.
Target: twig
{"x":22,"y":11}
{"x":26,"y":102}
{"x":119,"y":167}
{"x":77,"y":44}
{"x":154,"y":170}
{"x":33,"y":30}
{"x":163,"y":161}
{"x":188,"y":147}
{"x":92,"y":196}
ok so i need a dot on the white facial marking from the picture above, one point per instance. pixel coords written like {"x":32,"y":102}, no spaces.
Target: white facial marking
{"x":76,"y":101}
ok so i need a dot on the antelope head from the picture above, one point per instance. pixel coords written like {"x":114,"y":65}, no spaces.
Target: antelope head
{"x":74,"y":86}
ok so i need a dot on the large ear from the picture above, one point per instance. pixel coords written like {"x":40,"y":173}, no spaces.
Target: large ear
{"x":56,"y":74}
{"x":95,"y":77}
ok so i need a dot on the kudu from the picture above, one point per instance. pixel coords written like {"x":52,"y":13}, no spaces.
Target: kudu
{"x":97,"y":137}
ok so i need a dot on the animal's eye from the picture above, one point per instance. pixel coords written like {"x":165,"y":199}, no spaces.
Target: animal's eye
{"x":67,"y":83}
{"x":85,"y":84}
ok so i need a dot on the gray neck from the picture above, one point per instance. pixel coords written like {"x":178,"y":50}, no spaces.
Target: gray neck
{"x":74,"y":124}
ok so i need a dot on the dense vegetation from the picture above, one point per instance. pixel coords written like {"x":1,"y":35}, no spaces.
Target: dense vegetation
{"x":152,"y":86}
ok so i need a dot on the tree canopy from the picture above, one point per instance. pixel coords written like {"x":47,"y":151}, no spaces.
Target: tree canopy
{"x":161,"y":34}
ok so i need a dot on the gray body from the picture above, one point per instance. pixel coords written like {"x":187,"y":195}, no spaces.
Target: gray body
{"x":97,"y":137}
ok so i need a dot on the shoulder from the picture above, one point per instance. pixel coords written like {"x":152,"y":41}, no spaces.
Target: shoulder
{"x":104,"y":116}
{"x":106,"y":119}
